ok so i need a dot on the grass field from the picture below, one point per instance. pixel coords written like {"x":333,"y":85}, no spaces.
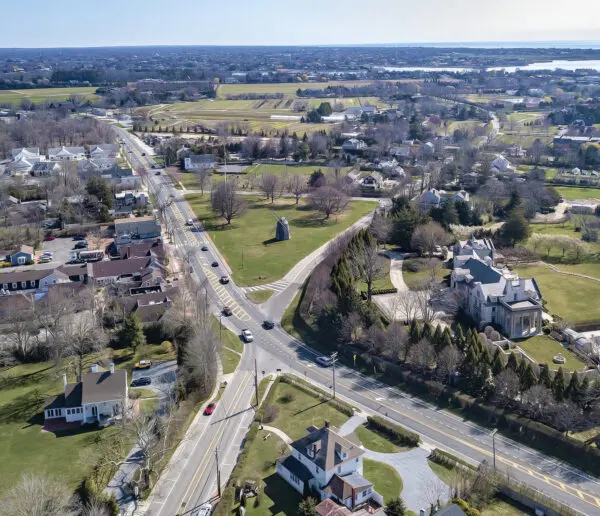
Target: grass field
{"x":573,"y":193}
{"x":386,"y":480}
{"x":264,"y":259}
{"x":414,"y":280}
{"x":567,"y":296}
{"x":298,"y":410}
{"x":24,"y":448}
{"x":374,"y":441}
{"x":383,"y":282}
{"x":542,"y":348}
{"x":446,"y":474}
{"x":502,"y":506}
{"x":260,"y":296}
{"x":39,"y":95}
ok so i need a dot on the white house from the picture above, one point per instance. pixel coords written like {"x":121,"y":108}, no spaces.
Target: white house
{"x":66,"y":153}
{"x":434,"y":198}
{"x":199,"y":162}
{"x":45,"y":168}
{"x":353,"y":145}
{"x":501,"y":164}
{"x":23,"y":161}
{"x":480,"y":249}
{"x":98,"y":397}
{"x":329,"y":464}
{"x":104,"y":150}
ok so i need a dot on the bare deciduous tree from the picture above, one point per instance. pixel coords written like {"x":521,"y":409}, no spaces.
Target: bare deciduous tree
{"x":227,"y":202}
{"x":448,"y":362}
{"x":367,"y":265}
{"x":269,"y":186}
{"x":81,"y":337}
{"x":396,"y":340}
{"x":421,"y":355}
{"x":203,"y":179}
{"x":352,"y":328}
{"x":506,"y":387}
{"x":297,"y":186}
{"x":427,"y":236}
{"x":36,"y":495}
{"x":329,"y":200}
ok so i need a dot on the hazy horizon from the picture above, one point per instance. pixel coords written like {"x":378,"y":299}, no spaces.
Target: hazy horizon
{"x":75,"y":24}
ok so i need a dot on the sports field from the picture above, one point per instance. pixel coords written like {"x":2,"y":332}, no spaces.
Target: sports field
{"x":37,"y":96}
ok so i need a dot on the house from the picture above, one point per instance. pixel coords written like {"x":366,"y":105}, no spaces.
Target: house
{"x":199,"y":162}
{"x":402,"y":152}
{"x":501,"y":164}
{"x":23,"y":160}
{"x":66,"y":153}
{"x":433,"y":198}
{"x":354,"y":145}
{"x":104,"y":151}
{"x":480,"y":249}
{"x":470,"y":179}
{"x":330,"y":465}
{"x":583,"y":209}
{"x":516,"y":151}
{"x":131,"y":198}
{"x":148,"y":306}
{"x":135,"y":272}
{"x":99,"y":397}
{"x":45,"y":169}
{"x":491,"y":295}
{"x":122,"y":177}
{"x":138,"y":228}
{"x":373,"y":180}
{"x":31,"y":279}
{"x":95,"y":166}
{"x":28,"y":153}
{"x":22,"y":255}
{"x":153,"y":248}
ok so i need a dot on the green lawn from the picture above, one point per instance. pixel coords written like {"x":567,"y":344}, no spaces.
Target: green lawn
{"x":302,"y":411}
{"x":249,"y":246}
{"x":230,"y":360}
{"x":24,"y":448}
{"x":569,"y":297}
{"x":38,"y":95}
{"x":446,"y":474}
{"x":543,"y":348}
{"x":587,"y":269}
{"x":383,"y":282}
{"x":571,"y":193}
{"x":287,"y":88}
{"x":260,"y":296}
{"x":277,"y":496}
{"x":232,"y":341}
{"x":503,"y":506}
{"x":281,"y":170}
{"x":415,"y":279}
{"x":386,"y":480}
{"x":126,"y":359}
{"x":375,"y":441}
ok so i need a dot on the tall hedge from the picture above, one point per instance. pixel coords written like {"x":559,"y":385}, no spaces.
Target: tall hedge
{"x":393,"y":431}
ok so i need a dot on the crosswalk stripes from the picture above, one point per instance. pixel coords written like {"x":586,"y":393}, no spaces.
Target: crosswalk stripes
{"x":277,"y":286}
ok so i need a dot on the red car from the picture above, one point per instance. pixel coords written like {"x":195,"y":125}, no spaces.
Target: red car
{"x":49,"y":238}
{"x":210,"y":408}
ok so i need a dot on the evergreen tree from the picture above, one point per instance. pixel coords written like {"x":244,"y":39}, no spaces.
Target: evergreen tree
{"x":583,"y":390}
{"x":528,"y":379}
{"x":428,"y":332}
{"x":307,"y":506}
{"x":414,"y":333}
{"x":573,"y":390}
{"x":459,"y":337}
{"x":132,"y":332}
{"x":558,"y":385}
{"x":544,"y":378}
{"x":512,"y":362}
{"x":515,"y":229}
{"x":446,"y":340}
{"x":437,"y":337}
{"x":395,"y":507}
{"x":521,"y":368}
{"x":498,"y":362}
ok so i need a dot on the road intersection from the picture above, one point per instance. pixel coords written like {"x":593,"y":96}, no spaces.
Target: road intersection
{"x":276,"y":350}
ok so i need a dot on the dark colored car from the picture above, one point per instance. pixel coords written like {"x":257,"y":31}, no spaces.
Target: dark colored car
{"x":224,"y":280}
{"x":143,"y":153}
{"x":79,"y":236}
{"x":214,"y":264}
{"x":81,"y":245}
{"x":204,"y":248}
{"x":227,"y":311}
{"x":210,"y":408}
{"x":49,"y":238}
{"x":138,"y":382}
{"x":157,"y":173}
{"x":268,"y":325}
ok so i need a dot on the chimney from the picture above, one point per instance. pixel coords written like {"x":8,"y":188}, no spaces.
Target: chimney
{"x":65,"y":382}
{"x":326,"y":423}
{"x":421,"y":512}
{"x":94,"y":368}
{"x":112,"y":368}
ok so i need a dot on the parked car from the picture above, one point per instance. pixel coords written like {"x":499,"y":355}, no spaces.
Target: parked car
{"x":215,"y":264}
{"x":324,"y":361}
{"x":204,"y":510}
{"x":138,"y":382}
{"x":143,"y":364}
{"x":247,"y":335}
{"x":204,"y":248}
{"x":45,"y":259}
{"x":143,"y":153}
{"x":79,"y":236}
{"x":81,"y":245}
{"x":157,"y":173}
{"x":268,"y":324}
{"x":210,"y":408}
{"x":227,"y":311}
{"x":189,"y":222}
{"x":49,"y":238}
{"x":224,"y":280}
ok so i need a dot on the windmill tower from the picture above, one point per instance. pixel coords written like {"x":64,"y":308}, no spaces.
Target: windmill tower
{"x":282,"y":230}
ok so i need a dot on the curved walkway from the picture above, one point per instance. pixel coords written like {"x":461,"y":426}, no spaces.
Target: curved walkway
{"x":279,"y":433}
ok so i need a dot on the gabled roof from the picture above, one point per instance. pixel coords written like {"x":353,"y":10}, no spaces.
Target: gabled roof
{"x":106,"y":269}
{"x":481,"y":272}
{"x":294,"y":466}
{"x":105,"y":148}
{"x":201,"y":158}
{"x":104,"y":386}
{"x":65,"y":151}
{"x":31,"y":152}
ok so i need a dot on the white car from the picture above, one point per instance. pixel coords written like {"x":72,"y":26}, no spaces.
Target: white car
{"x":189,"y":222}
{"x":324,"y":361}
{"x":247,"y":336}
{"x":204,"y":510}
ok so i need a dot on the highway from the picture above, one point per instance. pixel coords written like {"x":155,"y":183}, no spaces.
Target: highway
{"x":275,"y":349}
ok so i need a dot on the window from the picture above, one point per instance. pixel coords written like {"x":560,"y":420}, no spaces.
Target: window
{"x":5,"y":286}
{"x":357,"y":460}
{"x":294,"y":478}
{"x":32,"y":283}
{"x":21,"y":260}
{"x":14,"y":285}
{"x":339,"y":469}
{"x":23,"y":284}
{"x":515,"y":297}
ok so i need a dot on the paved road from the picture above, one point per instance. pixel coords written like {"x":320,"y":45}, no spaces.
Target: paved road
{"x":276,"y":349}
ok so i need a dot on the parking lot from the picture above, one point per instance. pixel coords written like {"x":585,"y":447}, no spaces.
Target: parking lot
{"x":61,"y":249}
{"x":162,"y":374}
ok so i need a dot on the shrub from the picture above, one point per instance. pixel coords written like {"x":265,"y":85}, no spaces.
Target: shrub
{"x":134,"y":395}
{"x":413,"y":265}
{"x":379,"y":291}
{"x":395,"y":432}
{"x":447,"y":459}
{"x":271,"y":413}
{"x":164,"y":348}
{"x":288,"y":397}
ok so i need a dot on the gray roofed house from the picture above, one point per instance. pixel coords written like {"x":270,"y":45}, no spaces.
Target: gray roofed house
{"x":66,"y":153}
{"x":199,"y":162}
{"x":138,"y":228}
{"x":473,"y":248}
{"x":104,"y":150}
{"x":44,"y":169}
{"x":144,"y":271}
{"x":99,"y":396}
{"x":25,"y":152}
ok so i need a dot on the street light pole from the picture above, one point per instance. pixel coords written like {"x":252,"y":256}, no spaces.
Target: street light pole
{"x":218,"y":471}
{"x":333,"y":361}
{"x":256,"y":382}
{"x":494,"y":446}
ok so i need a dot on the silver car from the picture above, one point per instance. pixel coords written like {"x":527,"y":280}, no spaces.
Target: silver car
{"x":324,"y":361}
{"x":204,"y":510}
{"x":247,"y":336}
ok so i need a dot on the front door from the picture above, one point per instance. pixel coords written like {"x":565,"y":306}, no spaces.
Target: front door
{"x":94,"y":411}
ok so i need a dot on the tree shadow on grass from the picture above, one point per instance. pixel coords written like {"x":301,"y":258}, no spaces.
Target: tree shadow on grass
{"x":22,"y":408}
{"x":24,"y":379}
{"x":310,"y":221}
{"x":308,"y":408}
{"x":285,"y":498}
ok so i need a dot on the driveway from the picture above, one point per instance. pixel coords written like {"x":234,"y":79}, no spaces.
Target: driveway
{"x":162,"y":374}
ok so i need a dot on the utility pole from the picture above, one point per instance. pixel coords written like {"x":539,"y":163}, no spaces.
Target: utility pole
{"x":256,"y":382}
{"x":333,"y":361}
{"x":218,"y":472}
{"x":494,"y":446}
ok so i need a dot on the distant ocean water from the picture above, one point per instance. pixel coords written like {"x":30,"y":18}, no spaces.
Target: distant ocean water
{"x":563,"y":64}
{"x":586,"y":44}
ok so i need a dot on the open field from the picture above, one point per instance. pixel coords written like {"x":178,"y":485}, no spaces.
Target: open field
{"x":386,"y":480}
{"x":25,"y":448}
{"x":571,"y":193}
{"x":39,"y":95}
{"x":296,"y":411}
{"x":542,"y":349}
{"x":375,"y":441}
{"x":569,"y":297}
{"x":248,"y":244}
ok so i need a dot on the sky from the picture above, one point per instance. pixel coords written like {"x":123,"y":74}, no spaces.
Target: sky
{"x":83,"y":23}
